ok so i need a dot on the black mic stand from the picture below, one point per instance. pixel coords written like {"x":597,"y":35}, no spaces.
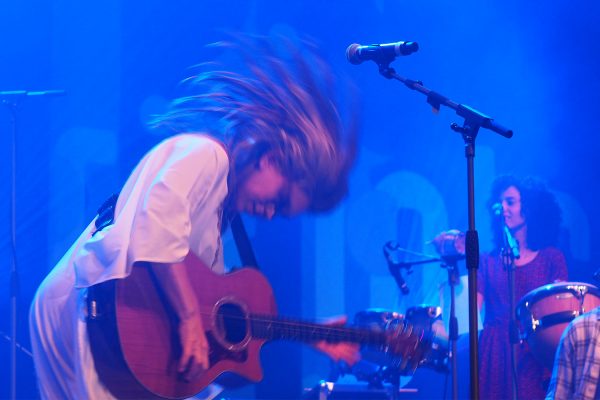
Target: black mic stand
{"x":11,"y":99}
{"x":473,"y":120}
{"x":450,"y":263}
{"x":510,"y":252}
{"x":14,"y":277}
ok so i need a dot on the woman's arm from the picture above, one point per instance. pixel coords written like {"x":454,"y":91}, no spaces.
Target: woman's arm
{"x":479,"y":302}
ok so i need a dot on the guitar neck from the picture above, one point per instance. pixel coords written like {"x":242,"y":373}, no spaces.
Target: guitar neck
{"x":269,"y":328}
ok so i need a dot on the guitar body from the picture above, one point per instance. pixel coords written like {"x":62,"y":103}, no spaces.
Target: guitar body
{"x":135,"y":342}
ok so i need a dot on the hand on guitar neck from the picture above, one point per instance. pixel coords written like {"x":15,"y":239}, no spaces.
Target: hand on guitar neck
{"x":345,"y":351}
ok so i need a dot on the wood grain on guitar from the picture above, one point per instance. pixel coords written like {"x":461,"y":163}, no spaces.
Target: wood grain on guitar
{"x":135,"y":344}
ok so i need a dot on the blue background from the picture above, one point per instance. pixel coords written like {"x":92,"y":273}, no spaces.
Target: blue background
{"x":531,"y":66}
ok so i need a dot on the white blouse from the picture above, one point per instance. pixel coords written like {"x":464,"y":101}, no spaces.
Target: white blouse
{"x":170,"y":205}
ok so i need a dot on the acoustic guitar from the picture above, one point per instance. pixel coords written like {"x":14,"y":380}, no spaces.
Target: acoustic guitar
{"x":135,"y":345}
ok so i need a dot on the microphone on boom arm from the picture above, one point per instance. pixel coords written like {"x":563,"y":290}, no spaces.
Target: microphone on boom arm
{"x":394,"y":267}
{"x":380,"y":53}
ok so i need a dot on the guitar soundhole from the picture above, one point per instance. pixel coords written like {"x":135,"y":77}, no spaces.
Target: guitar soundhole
{"x":232,"y":323}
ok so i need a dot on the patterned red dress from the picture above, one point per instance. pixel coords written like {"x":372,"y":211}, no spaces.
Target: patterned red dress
{"x":494,"y":345}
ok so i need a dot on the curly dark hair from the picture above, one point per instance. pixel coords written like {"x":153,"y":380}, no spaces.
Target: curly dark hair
{"x":538,"y":207}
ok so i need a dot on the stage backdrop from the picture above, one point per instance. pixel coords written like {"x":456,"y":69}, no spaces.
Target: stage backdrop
{"x":531,"y":66}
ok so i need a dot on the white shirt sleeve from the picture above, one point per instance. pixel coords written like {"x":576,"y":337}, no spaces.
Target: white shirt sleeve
{"x":170,"y":205}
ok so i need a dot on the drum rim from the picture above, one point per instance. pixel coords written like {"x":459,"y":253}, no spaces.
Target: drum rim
{"x":543,"y":291}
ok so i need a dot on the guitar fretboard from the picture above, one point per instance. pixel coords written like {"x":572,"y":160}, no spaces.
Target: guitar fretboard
{"x":266,"y":327}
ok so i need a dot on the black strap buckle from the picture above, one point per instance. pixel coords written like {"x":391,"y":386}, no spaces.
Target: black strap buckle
{"x":106,"y":213}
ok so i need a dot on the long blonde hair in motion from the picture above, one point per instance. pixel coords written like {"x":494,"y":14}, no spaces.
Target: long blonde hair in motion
{"x":283,"y":103}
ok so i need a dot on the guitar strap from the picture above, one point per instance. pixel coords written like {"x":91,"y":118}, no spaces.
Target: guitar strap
{"x":106,"y":213}
{"x":242,"y":242}
{"x":106,"y":217}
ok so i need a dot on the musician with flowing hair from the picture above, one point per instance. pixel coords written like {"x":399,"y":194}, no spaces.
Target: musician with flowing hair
{"x":267,"y":141}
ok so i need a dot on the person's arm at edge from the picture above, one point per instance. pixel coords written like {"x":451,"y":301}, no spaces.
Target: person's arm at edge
{"x":562,"y":373}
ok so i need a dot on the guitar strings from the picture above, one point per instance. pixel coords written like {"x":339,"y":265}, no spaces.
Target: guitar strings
{"x":334,"y":333}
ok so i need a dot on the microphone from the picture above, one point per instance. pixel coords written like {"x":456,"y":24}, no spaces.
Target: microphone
{"x":380,"y":53}
{"x":394,"y":267}
{"x":511,"y":243}
{"x":509,"y":240}
{"x":400,"y":282}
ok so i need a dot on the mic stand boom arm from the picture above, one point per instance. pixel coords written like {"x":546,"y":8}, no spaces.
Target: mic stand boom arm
{"x":472,"y":117}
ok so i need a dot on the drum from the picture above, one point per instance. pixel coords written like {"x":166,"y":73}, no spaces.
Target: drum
{"x":545,"y":312}
{"x":430,"y":317}
{"x":377,"y":366}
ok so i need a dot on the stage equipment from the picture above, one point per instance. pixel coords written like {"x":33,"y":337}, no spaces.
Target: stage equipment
{"x":357,"y":391}
{"x":545,"y":312}
{"x":380,"y":53}
{"x":473,"y":121}
{"x":450,"y":263}
{"x":509,"y":253}
{"x":380,"y":368}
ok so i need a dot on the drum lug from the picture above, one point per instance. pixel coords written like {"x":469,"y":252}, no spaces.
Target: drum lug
{"x":535,"y":323}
